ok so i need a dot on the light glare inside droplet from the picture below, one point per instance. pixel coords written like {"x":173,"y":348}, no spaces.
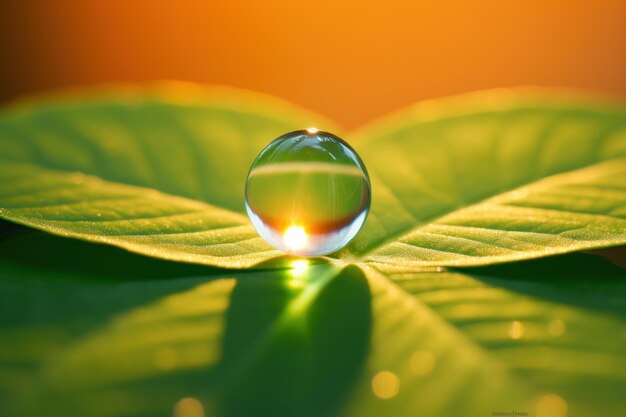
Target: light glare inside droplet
{"x":295,"y":238}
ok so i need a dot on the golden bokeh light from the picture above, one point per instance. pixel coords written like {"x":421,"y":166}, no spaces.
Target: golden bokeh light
{"x":189,"y":407}
{"x":295,"y":238}
{"x":385,"y":385}
{"x":551,"y":405}
{"x":516,"y":331}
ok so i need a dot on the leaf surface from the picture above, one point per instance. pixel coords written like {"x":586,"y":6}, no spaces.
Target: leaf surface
{"x":381,"y":328}
{"x":480,"y":179}
{"x":160,"y":171}
{"x":493,"y":177}
{"x":79,"y":339}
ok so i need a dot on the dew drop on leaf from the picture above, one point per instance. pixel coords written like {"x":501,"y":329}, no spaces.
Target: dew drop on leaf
{"x":308,"y":193}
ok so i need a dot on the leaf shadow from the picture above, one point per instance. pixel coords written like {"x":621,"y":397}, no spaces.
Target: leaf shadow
{"x":75,"y":259}
{"x":583,"y":280}
{"x":308,"y":347}
{"x":294,"y":341}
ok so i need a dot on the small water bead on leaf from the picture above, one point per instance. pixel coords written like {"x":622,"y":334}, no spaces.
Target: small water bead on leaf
{"x":308,"y":193}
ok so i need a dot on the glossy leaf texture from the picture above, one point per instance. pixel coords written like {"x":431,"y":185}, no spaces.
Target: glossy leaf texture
{"x":94,"y":331}
{"x":473,"y":180}
{"x":492,"y":177}
{"x":381,"y":328}
{"x":160,"y":170}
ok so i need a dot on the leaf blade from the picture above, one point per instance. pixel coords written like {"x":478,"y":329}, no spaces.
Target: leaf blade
{"x":137,"y":219}
{"x":125,"y":163}
{"x":429,"y":167}
{"x":578,"y":210}
{"x":140,"y":345}
{"x":444,"y":159}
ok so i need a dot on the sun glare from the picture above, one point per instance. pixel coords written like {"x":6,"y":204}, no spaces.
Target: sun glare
{"x":312,"y":130}
{"x":299,"y":267}
{"x":295,"y":237}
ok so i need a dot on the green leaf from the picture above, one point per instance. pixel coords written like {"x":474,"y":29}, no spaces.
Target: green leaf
{"x":159,"y":171}
{"x":474,"y":180}
{"x":381,"y":328}
{"x":91,"y":330}
{"x":557,"y":323}
{"x":493,"y":177}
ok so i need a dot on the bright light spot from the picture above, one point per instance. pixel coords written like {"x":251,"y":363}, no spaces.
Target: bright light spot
{"x":556,"y":327}
{"x":299,"y":267}
{"x":551,"y":405}
{"x":312,"y":130}
{"x":166,"y":358}
{"x":422,"y":363}
{"x":385,"y":385}
{"x":295,"y":237}
{"x":516,"y":331}
{"x":189,"y":407}
{"x":296,"y":284}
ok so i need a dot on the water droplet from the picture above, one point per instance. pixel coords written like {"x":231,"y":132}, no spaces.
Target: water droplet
{"x":308,"y":193}
{"x":385,"y":385}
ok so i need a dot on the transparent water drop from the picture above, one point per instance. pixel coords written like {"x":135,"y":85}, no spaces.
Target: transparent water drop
{"x":308,"y":193}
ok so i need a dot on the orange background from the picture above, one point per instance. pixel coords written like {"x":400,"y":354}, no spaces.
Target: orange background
{"x":350,"y":60}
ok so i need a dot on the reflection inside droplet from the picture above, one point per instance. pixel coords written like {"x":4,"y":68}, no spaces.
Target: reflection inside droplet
{"x":308,"y":193}
{"x":295,"y":238}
